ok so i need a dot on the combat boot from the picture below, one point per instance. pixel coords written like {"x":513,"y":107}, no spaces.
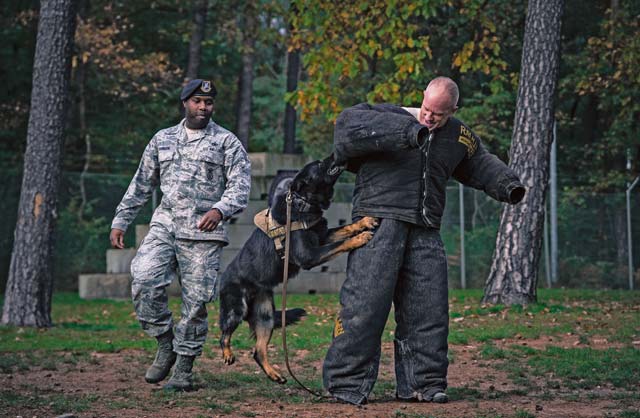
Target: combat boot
{"x":182,"y":377}
{"x":165,"y":357}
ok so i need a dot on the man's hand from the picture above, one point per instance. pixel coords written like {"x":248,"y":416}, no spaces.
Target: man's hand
{"x":210,"y":220}
{"x":117,"y":238}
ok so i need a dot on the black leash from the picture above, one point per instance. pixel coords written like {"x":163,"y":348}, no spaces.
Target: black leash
{"x":285,"y":277}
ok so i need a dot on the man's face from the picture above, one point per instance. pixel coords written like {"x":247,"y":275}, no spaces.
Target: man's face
{"x":436,"y":108}
{"x":198,"y":111}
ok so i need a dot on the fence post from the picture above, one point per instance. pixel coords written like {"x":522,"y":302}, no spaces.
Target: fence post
{"x":553,"y":179}
{"x":629,"y":241}
{"x":463,"y":272}
{"x":545,"y":231}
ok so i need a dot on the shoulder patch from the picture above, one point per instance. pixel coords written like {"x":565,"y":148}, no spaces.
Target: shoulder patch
{"x":468,"y":139}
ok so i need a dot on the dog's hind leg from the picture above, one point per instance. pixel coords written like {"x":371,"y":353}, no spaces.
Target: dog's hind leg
{"x":348,"y":231}
{"x":261,"y":323}
{"x":233,"y":308}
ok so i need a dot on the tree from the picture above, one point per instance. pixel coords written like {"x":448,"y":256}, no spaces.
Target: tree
{"x":29,"y":287}
{"x":245,"y":81}
{"x":514,"y":270}
{"x":197,"y":35}
{"x":601,"y":123}
{"x":293,"y":71}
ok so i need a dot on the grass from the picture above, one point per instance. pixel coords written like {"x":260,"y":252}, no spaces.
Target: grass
{"x":499,"y":333}
{"x":59,"y":404}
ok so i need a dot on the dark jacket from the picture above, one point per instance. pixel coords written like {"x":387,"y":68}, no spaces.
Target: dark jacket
{"x":402,"y":169}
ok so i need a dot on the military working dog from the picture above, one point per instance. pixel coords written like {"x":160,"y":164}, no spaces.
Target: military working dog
{"x":246,"y":286}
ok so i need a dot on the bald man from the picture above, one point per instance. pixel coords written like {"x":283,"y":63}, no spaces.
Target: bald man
{"x":403,"y":158}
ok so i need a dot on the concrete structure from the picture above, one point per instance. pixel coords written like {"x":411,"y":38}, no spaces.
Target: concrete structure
{"x":328,"y":278}
{"x":119,"y":261}
{"x":265,"y":166}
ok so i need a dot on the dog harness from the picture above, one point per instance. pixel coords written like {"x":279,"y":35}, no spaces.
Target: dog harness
{"x":265,"y":222}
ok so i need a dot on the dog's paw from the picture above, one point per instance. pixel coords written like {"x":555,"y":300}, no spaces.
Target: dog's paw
{"x":228,"y":357}
{"x":275,"y":376}
{"x":362,"y":238}
{"x":369,"y":223}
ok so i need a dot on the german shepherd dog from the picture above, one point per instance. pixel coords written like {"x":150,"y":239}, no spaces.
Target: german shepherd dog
{"x":246,"y":286}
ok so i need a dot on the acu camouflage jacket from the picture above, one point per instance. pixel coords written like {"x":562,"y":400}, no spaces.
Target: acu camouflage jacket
{"x":210,"y":170}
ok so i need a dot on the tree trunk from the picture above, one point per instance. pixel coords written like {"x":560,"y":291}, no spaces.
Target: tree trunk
{"x":293,"y":70}
{"x":514,"y":270}
{"x":197,"y":35}
{"x":29,"y":287}
{"x":83,"y":7}
{"x":245,"y":82}
{"x":82,"y":117}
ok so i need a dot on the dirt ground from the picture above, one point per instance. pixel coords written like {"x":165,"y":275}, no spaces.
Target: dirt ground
{"x":114,"y":379}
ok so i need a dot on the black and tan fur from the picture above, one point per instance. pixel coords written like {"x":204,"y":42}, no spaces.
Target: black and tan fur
{"x":246,"y":286}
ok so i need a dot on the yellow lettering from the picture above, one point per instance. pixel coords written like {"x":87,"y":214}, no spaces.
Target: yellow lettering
{"x":338,"y":329}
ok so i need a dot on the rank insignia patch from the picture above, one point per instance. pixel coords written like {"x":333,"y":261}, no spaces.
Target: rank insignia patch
{"x":467,"y":139}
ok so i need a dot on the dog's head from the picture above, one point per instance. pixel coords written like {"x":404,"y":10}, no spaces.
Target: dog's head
{"x":313,"y":185}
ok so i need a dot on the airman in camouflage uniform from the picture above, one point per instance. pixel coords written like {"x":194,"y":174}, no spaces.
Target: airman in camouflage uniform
{"x":204,"y":174}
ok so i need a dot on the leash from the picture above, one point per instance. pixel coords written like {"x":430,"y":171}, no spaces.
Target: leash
{"x":285,"y":277}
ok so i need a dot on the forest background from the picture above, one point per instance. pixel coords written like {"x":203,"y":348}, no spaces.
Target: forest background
{"x":130,"y":60}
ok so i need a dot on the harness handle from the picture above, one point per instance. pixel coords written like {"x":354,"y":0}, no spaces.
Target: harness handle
{"x":285,"y":277}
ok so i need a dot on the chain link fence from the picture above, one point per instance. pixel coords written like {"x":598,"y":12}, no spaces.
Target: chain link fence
{"x":592,"y":238}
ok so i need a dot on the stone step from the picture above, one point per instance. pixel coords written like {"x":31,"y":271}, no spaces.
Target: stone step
{"x":265,"y":166}
{"x":119,"y":260}
{"x":113,"y":286}
{"x":141,"y":231}
{"x":241,"y":228}
{"x":246,"y":216}
{"x":338,"y":264}
{"x":241,"y":225}
{"x":338,"y":213}
{"x":311,"y":282}
{"x":238,"y":235}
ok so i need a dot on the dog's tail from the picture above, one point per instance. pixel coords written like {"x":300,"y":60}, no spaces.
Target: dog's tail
{"x":291,"y":316}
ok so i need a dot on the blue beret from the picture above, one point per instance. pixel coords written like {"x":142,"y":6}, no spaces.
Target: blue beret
{"x":198,"y":87}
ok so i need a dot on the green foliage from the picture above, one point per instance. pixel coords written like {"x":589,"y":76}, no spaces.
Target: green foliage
{"x":83,"y":245}
{"x":375,"y":48}
{"x":267,"y":119}
{"x":600,"y":96}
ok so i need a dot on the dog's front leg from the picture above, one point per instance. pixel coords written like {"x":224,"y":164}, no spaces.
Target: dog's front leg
{"x":232,"y":310}
{"x":261,"y":323}
{"x":227,"y":353}
{"x":347,"y":231}
{"x":316,"y":256}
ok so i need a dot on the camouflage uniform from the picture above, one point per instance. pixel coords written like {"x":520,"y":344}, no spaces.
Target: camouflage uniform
{"x":210,"y":170}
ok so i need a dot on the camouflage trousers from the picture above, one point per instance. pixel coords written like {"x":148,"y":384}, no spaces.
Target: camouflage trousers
{"x":158,"y":259}
{"x":405,"y":265}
